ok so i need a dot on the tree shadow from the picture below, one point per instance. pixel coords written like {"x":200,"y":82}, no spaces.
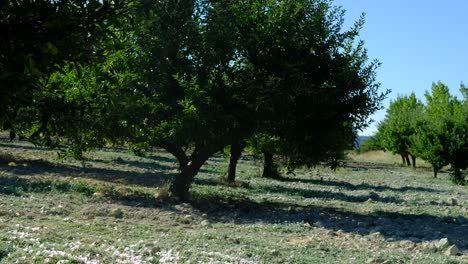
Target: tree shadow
{"x":362,"y":186}
{"x":20,"y":186}
{"x":42,"y":167}
{"x":306,"y":193}
{"x":390,"y":225}
{"x":332,"y":195}
{"x":22,"y":146}
{"x":160,"y":158}
{"x":147,"y":165}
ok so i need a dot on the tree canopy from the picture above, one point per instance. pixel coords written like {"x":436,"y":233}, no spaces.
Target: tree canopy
{"x":41,"y":37}
{"x":442,"y":137}
{"x":436,"y":132}
{"x":400,"y":125}
{"x":193,"y":77}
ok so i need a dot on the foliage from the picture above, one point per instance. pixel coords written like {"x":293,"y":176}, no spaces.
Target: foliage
{"x":195,"y":76}
{"x":319,"y":97}
{"x":442,"y":137}
{"x":39,"y":38}
{"x":370,"y":144}
{"x":400,"y":125}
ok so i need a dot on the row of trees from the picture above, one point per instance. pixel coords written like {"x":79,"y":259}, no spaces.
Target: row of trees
{"x":188,"y":76}
{"x":436,"y":132}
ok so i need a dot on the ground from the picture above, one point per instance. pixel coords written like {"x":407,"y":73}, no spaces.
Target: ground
{"x":107,"y":209}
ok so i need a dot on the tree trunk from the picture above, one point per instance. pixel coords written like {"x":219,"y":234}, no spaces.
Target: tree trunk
{"x":408,"y":162}
{"x":269,"y":167}
{"x":413,"y":159}
{"x":180,"y":187}
{"x":435,"y":172}
{"x":178,"y":153}
{"x":236,"y":151}
{"x":403,"y":159}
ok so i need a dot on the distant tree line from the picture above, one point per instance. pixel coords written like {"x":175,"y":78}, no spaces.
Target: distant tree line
{"x":436,"y":132}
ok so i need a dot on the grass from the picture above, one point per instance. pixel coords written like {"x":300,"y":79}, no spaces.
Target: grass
{"x":109,"y":211}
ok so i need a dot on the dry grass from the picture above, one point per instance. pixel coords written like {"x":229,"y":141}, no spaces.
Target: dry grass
{"x":383,"y":157}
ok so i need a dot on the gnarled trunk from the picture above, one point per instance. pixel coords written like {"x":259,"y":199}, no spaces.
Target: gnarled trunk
{"x":180,"y":187}
{"x":236,"y":151}
{"x":178,"y":153}
{"x":269,"y":167}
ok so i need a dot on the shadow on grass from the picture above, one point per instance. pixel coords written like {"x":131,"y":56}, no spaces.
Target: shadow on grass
{"x":306,"y":193}
{"x":362,"y":186}
{"x":41,"y":167}
{"x":17,"y":186}
{"x":291,"y":191}
{"x":15,"y":145}
{"x":390,"y":225}
{"x":141,"y":164}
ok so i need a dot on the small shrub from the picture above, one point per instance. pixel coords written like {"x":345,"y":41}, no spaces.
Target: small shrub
{"x":5,"y":249}
{"x":84,"y":188}
{"x":163,"y":192}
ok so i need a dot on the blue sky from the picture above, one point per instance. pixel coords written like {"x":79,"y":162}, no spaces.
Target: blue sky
{"x":418,"y":42}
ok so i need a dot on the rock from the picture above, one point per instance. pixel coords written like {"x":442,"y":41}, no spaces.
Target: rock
{"x":452,"y":251}
{"x":154,"y":250}
{"x":11,"y":164}
{"x":453,"y":202}
{"x":184,"y":208}
{"x":275,"y":252}
{"x":189,"y":217}
{"x":117,"y":213}
{"x":370,"y":200}
{"x":406,"y":244}
{"x":428,"y":246}
{"x":205,"y":223}
{"x":99,"y":194}
{"x":375,"y":260}
{"x":67,"y":220}
{"x":441,"y":244}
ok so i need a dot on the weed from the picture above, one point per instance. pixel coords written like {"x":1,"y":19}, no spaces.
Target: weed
{"x":5,"y":249}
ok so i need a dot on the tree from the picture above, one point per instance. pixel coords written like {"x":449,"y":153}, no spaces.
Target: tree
{"x":442,"y":138}
{"x":222,"y":72}
{"x":400,"y":125}
{"x":197,"y":76}
{"x":39,"y":38}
